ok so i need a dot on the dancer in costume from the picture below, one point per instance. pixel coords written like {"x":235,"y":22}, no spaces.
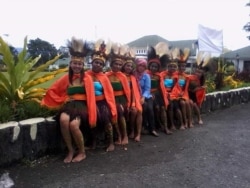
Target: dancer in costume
{"x":104,"y":94}
{"x":73,"y":95}
{"x":134,"y":110}
{"x":197,"y":89}
{"x":121,"y":89}
{"x":155,"y":56}
{"x":170,"y":78}
{"x":183,"y":81}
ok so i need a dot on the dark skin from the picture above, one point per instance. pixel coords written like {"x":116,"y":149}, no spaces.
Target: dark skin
{"x":71,"y":129}
{"x":161,"y":115}
{"x":185,"y":104}
{"x":121,"y":130}
{"x":97,"y":67}
{"x":135,"y":117}
{"x":199,"y":73}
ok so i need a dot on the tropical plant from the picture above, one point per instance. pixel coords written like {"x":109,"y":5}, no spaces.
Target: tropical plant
{"x":22,"y":79}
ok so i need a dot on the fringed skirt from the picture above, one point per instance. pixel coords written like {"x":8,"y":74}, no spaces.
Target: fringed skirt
{"x":75,"y":109}
{"x":103,"y":114}
{"x":121,"y":103}
{"x":158,"y":99}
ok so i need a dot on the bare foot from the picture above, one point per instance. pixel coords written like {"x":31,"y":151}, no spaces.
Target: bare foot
{"x":168,"y":132}
{"x":131,"y":135}
{"x":69,"y":157}
{"x":119,"y":141}
{"x":200,"y":122}
{"x":111,"y":147}
{"x":79,"y":157}
{"x":125,"y":140}
{"x":138,"y":138}
{"x":182,"y":127}
{"x":173,"y":128}
{"x":191,"y":125}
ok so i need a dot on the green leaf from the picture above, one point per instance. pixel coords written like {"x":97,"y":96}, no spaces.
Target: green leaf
{"x":42,"y":67}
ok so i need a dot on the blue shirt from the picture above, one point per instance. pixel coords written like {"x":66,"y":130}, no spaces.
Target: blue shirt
{"x":98,"y":88}
{"x":145,"y":84}
{"x":182,"y":82}
{"x":169,"y":82}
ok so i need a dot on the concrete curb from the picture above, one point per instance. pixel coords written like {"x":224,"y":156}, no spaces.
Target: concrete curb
{"x":33,"y":138}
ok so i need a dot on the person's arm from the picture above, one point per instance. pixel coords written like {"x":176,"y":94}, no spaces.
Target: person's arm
{"x":147,"y":86}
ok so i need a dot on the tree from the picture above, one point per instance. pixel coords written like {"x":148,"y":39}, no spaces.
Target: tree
{"x":45,"y":49}
{"x":247,"y":26}
{"x":64,"y":52}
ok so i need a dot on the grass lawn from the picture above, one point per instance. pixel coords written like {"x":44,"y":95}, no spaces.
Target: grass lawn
{"x":48,"y":83}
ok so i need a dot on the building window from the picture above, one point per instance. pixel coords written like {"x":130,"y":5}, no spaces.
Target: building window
{"x":246,"y":65}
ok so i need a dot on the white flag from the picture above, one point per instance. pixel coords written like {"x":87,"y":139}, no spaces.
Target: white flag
{"x":210,"y":40}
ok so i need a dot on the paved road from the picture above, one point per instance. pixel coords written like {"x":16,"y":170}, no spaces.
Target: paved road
{"x":215,"y":155}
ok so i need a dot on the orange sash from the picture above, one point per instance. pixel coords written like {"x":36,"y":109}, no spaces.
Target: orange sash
{"x":200,"y":91}
{"x":162,"y":87}
{"x":136,"y":91}
{"x":174,"y":93}
{"x":56,"y":96}
{"x":124,"y":81}
{"x":108,"y":92}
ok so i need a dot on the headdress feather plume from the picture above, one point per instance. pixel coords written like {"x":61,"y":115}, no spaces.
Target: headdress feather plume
{"x":77,"y":47}
{"x":118,"y":51}
{"x":115,"y":48}
{"x":101,"y":50}
{"x":175,"y":54}
{"x":151,"y":53}
{"x":203,"y":59}
{"x":161,"y":49}
{"x":123,"y":49}
{"x":184,"y":54}
{"x":130,"y":54}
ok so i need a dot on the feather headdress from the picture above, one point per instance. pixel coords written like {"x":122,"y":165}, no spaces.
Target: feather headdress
{"x":130,"y":55}
{"x":174,"y":56}
{"x":118,"y":52}
{"x":158,"y":54}
{"x":78,"y":49}
{"x":203,"y":59}
{"x":184,"y":54}
{"x":101,"y":50}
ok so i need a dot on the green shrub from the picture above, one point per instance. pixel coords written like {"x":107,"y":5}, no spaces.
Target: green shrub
{"x":6,"y":112}
{"x":31,"y":109}
{"x":24,"y":110}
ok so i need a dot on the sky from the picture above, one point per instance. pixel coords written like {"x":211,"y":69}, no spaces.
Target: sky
{"x":123,"y":21}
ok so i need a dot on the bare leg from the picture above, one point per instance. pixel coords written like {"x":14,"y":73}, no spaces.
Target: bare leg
{"x":117,"y":129}
{"x":138,"y":126}
{"x":189,"y":114}
{"x":179,"y":116}
{"x":124,"y":131}
{"x":171,"y":118}
{"x":64,"y":126}
{"x":132,"y":122}
{"x":111,"y":146}
{"x":164,"y":121}
{"x":184,"y":112}
{"x":197,"y":111}
{"x":79,"y":140}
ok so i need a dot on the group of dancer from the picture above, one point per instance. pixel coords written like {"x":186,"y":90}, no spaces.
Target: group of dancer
{"x":133,"y":97}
